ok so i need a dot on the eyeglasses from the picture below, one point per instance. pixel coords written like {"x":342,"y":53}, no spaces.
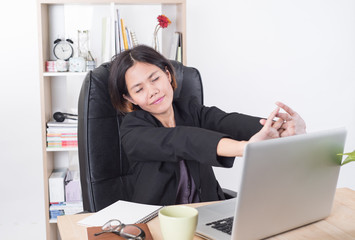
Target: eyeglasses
{"x":130,"y":232}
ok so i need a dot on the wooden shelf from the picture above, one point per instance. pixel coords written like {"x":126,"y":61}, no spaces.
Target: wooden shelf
{"x":64,"y":74}
{"x":138,"y":2}
{"x":52,"y":220}
{"x":71,"y":149}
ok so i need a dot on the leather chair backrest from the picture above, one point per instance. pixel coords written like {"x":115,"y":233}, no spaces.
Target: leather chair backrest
{"x":101,"y":166}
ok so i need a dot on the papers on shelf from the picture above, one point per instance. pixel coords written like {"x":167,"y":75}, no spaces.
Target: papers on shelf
{"x":62,"y":134}
{"x":126,"y":212}
{"x":64,"y":208}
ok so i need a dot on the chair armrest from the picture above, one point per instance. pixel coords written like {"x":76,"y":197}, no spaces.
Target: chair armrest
{"x":229,"y":193}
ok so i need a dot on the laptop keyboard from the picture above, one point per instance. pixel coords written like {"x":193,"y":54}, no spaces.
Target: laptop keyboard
{"x":224,"y":225}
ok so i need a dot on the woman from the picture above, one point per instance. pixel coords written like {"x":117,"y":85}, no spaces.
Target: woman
{"x":172,"y":145}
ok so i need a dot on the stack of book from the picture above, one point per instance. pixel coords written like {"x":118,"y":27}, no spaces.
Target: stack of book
{"x":62,"y":134}
{"x":51,"y":66}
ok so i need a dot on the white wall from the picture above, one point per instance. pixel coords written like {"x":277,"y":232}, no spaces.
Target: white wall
{"x":250,"y":54}
{"x":253,"y":53}
{"x":21,"y":178}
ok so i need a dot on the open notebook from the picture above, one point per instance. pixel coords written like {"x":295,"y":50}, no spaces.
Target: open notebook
{"x":126,"y":212}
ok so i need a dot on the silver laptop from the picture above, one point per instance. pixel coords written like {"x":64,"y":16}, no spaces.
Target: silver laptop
{"x":283,"y":184}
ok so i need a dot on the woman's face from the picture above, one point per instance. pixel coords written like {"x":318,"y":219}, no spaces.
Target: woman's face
{"x":150,"y":88}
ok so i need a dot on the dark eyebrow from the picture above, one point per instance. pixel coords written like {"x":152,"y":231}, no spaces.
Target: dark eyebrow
{"x":151,"y":75}
{"x":136,"y":85}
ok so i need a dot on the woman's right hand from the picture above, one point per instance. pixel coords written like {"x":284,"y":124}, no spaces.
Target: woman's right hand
{"x":270,"y":129}
{"x":231,"y":148}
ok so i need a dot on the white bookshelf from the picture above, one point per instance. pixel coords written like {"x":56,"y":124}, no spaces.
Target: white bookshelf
{"x":59,"y":90}
{"x":68,"y":149}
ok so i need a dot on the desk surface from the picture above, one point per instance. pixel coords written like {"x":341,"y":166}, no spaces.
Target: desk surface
{"x":340,"y":225}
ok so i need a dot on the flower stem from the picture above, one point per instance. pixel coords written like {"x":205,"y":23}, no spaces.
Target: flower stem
{"x":156,"y":43}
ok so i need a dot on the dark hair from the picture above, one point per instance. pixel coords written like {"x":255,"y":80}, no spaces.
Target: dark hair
{"x":122,"y":62}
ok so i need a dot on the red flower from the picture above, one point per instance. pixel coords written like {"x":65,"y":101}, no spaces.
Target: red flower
{"x":163,"y":20}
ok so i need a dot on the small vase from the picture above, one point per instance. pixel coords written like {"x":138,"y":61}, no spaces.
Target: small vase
{"x":156,"y":44}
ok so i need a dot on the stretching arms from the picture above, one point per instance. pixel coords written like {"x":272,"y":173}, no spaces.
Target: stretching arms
{"x":288,"y":124}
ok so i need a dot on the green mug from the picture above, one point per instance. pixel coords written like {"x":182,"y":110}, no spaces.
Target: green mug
{"x":178,"y":222}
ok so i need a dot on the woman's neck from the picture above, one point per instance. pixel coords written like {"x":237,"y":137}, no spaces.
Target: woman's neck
{"x":167,"y":119}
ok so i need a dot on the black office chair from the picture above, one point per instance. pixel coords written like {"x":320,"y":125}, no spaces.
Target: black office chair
{"x":102,"y":169}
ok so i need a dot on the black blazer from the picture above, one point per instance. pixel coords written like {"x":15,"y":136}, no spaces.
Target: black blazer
{"x":154,"y":151}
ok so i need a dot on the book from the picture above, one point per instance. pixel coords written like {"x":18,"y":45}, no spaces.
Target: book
{"x":56,"y":185}
{"x":72,"y":187}
{"x":174,"y":46}
{"x":117,"y":40}
{"x":179,"y":56}
{"x":126,"y":212}
{"x":129,"y":39}
{"x":120,"y":36}
{"x":60,"y":131}
{"x":53,"y":214}
{"x":124,"y":34}
{"x":64,"y":208}
{"x":65,"y":124}
{"x":67,"y":206}
{"x":105,"y":35}
{"x":62,"y":144}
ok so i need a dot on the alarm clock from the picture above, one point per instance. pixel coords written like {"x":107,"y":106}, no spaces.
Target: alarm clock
{"x":63,"y":49}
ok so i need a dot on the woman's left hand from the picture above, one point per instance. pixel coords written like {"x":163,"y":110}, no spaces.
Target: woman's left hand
{"x":293,"y":123}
